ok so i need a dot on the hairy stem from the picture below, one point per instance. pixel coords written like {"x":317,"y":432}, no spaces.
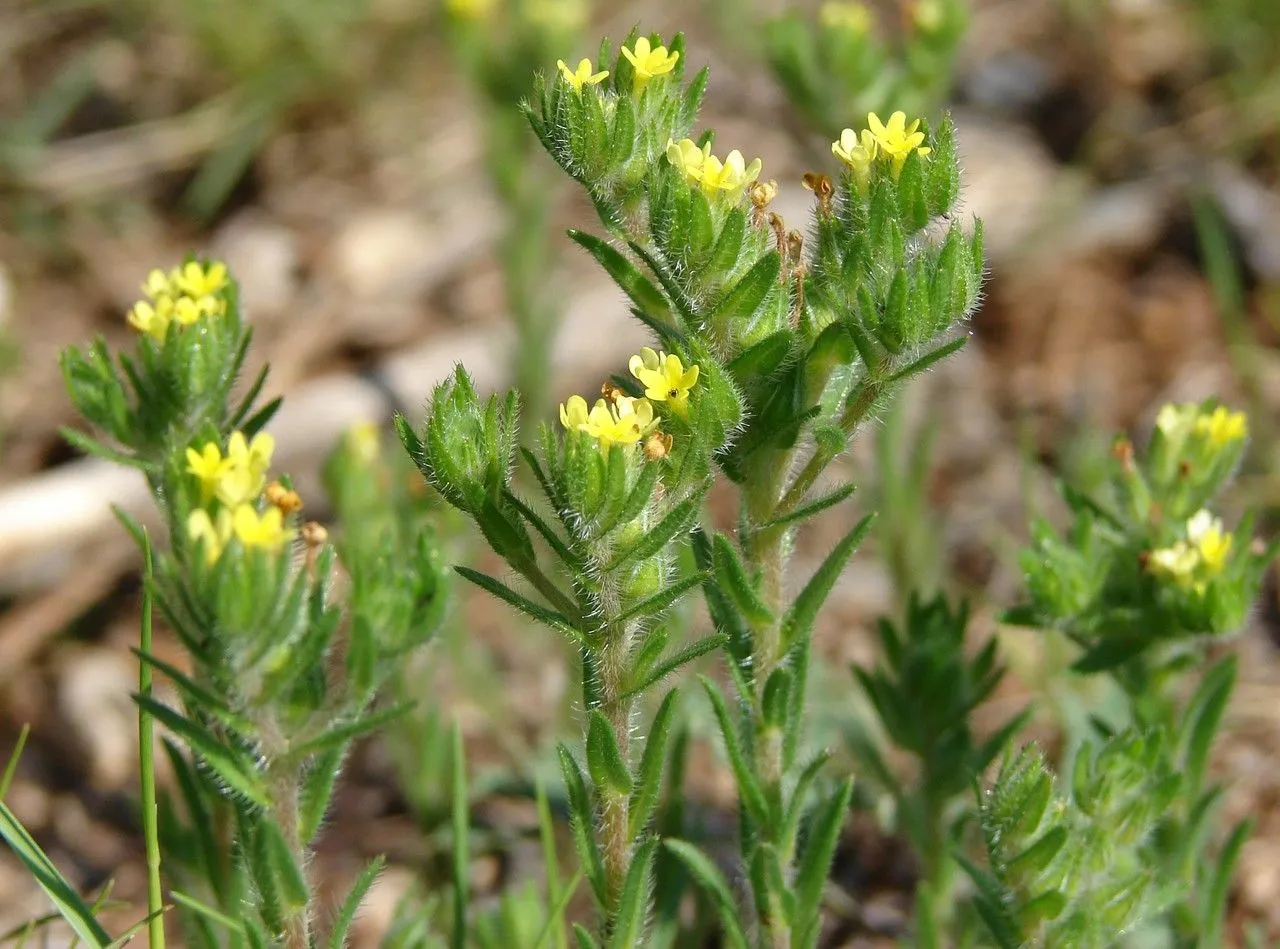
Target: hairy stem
{"x":615,"y":809}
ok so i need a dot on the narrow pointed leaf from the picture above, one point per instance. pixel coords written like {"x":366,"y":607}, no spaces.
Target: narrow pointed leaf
{"x":582,"y":823}
{"x":663,"y":599}
{"x":220,"y":758}
{"x":672,"y":663}
{"x":608,"y":770}
{"x":799,"y":619}
{"x":351,"y":904}
{"x":713,"y":882}
{"x":624,"y":273}
{"x":814,"y":507}
{"x":815,"y":864}
{"x":749,"y":790}
{"x":548,"y":617}
{"x":633,"y":902}
{"x":341,"y":735}
{"x":676,"y":522}
{"x":649,"y":779}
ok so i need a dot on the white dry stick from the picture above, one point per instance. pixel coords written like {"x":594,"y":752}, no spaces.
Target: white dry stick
{"x":45,"y":520}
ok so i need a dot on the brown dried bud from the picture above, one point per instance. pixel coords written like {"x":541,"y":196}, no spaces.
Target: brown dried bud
{"x":761,"y":193}
{"x":1122,"y":451}
{"x":611,"y":392}
{"x":313,"y":534}
{"x":822,"y":187}
{"x":657,"y":446}
{"x":288,"y":501}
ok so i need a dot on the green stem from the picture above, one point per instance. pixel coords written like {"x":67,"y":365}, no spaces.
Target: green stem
{"x":146,"y":760}
{"x":615,"y":809}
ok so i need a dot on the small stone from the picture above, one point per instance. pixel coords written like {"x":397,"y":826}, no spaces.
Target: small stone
{"x":264,"y":256}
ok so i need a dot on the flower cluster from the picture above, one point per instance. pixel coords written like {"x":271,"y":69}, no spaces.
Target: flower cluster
{"x":894,"y":141}
{"x":182,"y":296}
{"x":701,"y":167}
{"x":1217,"y":428}
{"x":619,"y":419}
{"x":1201,"y":556}
{"x":231,"y":486}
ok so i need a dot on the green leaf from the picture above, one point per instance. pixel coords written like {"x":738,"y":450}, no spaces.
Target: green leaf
{"x":543,"y":528}
{"x":584,"y":937}
{"x":676,"y":522}
{"x":556,"y":621}
{"x":649,"y":779}
{"x":732,"y":577}
{"x":316,"y":791}
{"x":815,"y":864}
{"x":11,"y":766}
{"x":1111,"y":651}
{"x":91,"y":446}
{"x":716,"y":886}
{"x":669,"y":665}
{"x":284,"y":865}
{"x":224,"y":762}
{"x":624,"y":273}
{"x":582,"y":822}
{"x":663,"y":599}
{"x":609,"y":772}
{"x":1215,"y":902}
{"x":749,"y":789}
{"x":460,"y":811}
{"x":745,"y":297}
{"x":228,"y":923}
{"x":799,"y":619}
{"x":990,"y":904}
{"x":684,"y":305}
{"x":196,"y":695}
{"x":816,"y":506}
{"x":1039,"y":854}
{"x":723,"y":615}
{"x":795,"y":807}
{"x":633,"y":903}
{"x":200,"y":820}
{"x":351,"y":904}
{"x":342,"y":735}
{"x":65,"y":899}
{"x":1204,"y":715}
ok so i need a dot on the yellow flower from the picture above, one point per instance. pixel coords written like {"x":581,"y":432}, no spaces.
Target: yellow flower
{"x":158,"y":284}
{"x":897,"y":139}
{"x":1178,"y":562}
{"x":209,"y":466}
{"x":151,"y":319}
{"x":470,"y":9}
{"x":574,"y":413}
{"x":1174,"y":421}
{"x":665,"y":377}
{"x":857,"y":153}
{"x":927,"y":15}
{"x":582,"y":76}
{"x":196,"y":281}
{"x":688,"y":157}
{"x":265,"y":531}
{"x":1222,"y":426}
{"x":624,"y":422}
{"x":246,"y":468}
{"x":649,"y":62}
{"x":731,"y":176}
{"x":364,"y":440}
{"x":1212,"y":543}
{"x":854,"y":17}
{"x":212,"y":535}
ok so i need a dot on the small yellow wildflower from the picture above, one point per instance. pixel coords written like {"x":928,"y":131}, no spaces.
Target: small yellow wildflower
{"x":856,"y":152}
{"x":582,"y":76}
{"x":897,"y":139}
{"x":665,"y":377}
{"x":927,"y":15}
{"x":688,"y":157}
{"x":152,"y":319}
{"x":649,"y":62}
{"x":364,"y":440}
{"x":208,"y":466}
{"x":470,"y":9}
{"x":1222,"y":426}
{"x":1178,"y":562}
{"x":210,"y":534}
{"x":196,"y":281}
{"x":574,"y":414}
{"x":246,"y":468}
{"x":851,"y":16}
{"x":1174,"y":421}
{"x":265,"y":531}
{"x":158,"y":284}
{"x":1212,"y":543}
{"x":733,"y":175}
{"x":623,"y":422}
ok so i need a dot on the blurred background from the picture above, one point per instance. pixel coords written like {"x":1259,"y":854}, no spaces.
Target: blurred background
{"x":361,"y":166}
